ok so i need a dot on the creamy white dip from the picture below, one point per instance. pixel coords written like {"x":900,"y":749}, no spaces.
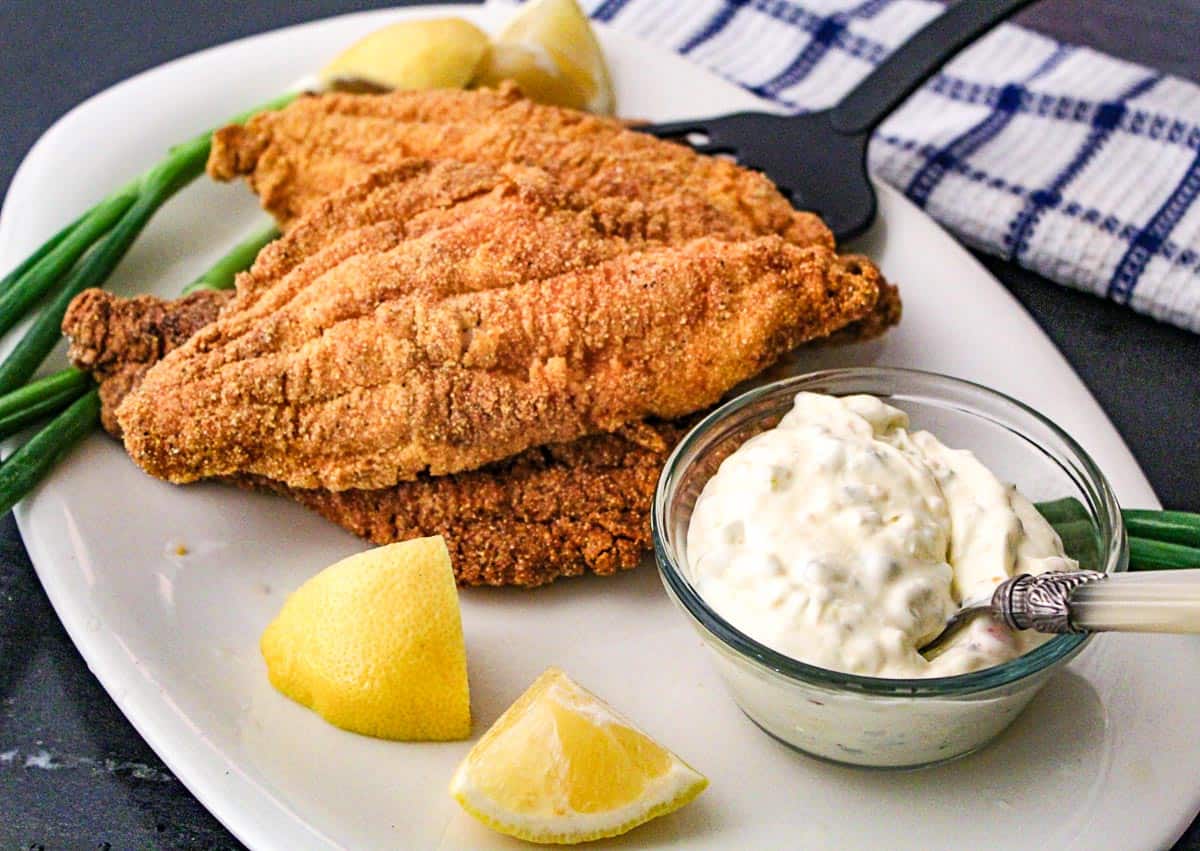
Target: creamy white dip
{"x":842,"y":539}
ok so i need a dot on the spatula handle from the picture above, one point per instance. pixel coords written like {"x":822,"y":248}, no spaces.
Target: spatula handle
{"x":916,"y":60}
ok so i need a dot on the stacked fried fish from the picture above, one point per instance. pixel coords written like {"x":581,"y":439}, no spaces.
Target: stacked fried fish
{"x":486,"y":319}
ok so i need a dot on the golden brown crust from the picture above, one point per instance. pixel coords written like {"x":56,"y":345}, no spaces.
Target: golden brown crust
{"x":552,"y":511}
{"x":886,"y":312}
{"x":518,"y":321}
{"x":297,"y":156}
{"x":119,"y":339}
{"x":558,"y":510}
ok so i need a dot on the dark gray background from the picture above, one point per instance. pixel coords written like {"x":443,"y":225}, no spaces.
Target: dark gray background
{"x":112,"y":791}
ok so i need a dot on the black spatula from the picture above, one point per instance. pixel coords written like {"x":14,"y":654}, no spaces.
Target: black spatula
{"x":819,"y":160}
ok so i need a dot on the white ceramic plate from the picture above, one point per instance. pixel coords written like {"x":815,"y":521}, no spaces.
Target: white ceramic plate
{"x":1107,"y":757}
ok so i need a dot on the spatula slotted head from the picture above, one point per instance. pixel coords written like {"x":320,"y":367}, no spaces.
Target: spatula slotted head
{"x":815,"y":167}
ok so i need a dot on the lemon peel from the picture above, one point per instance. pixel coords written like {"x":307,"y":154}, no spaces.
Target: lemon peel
{"x":561,"y":766}
{"x":551,"y":52}
{"x":434,"y":53}
{"x":374,"y":644}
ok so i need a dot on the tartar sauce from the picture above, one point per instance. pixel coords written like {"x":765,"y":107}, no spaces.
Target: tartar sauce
{"x":842,"y":539}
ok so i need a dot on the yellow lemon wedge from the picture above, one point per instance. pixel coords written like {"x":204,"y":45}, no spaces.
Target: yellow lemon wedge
{"x":561,"y":766}
{"x":374,"y":644}
{"x":549,"y":49}
{"x":439,"y":53}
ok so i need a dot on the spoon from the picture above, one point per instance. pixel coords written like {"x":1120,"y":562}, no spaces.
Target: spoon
{"x":1086,"y":601}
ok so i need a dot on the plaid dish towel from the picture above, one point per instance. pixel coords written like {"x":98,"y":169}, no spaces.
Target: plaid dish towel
{"x":1072,"y":163}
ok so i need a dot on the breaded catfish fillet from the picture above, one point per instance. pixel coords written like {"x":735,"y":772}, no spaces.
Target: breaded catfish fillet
{"x":117,"y":339}
{"x":417,"y":196}
{"x":298,"y":156}
{"x":559,"y":510}
{"x":369,"y":356}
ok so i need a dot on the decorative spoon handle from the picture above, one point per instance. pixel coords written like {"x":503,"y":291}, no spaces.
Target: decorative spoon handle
{"x":1088,"y":601}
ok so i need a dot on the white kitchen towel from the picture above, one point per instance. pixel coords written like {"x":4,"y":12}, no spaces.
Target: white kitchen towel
{"x":1080,"y":166}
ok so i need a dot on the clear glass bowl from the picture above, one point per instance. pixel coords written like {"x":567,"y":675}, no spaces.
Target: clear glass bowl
{"x":871,"y":721}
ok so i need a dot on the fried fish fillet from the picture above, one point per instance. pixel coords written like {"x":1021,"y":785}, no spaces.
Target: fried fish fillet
{"x":552,"y":511}
{"x":560,"y":510}
{"x":557,"y":510}
{"x":296,"y":157}
{"x":549,"y":512}
{"x":417,"y":196}
{"x":520,"y":317}
{"x":117,"y":339}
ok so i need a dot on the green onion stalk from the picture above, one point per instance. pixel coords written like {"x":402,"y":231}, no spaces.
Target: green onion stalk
{"x":41,"y":398}
{"x":1158,"y":540}
{"x":29,"y":464}
{"x":46,"y":247}
{"x":75,"y":391}
{"x":31,"y":280}
{"x":115,"y":222}
{"x":220,"y":275}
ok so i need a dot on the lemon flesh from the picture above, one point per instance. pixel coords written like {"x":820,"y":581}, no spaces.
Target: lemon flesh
{"x":440,"y":53}
{"x":374,"y":644}
{"x":549,"y":49}
{"x":561,"y":766}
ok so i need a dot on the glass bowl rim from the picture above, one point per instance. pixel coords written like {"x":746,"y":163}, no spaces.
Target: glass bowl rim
{"x":1058,"y":649}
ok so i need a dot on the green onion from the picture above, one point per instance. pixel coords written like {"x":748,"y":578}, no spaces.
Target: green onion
{"x":44,"y":274}
{"x":47,"y":405}
{"x":183,"y":164}
{"x":1065,"y":510}
{"x":67,"y":380}
{"x":29,"y":464}
{"x":1078,"y":539}
{"x":1146,"y":554}
{"x":241,"y":257}
{"x":45,"y":248}
{"x":1173,"y":527}
{"x":1157,"y":539}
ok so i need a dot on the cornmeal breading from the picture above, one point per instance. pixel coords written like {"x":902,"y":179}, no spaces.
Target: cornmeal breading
{"x":559,"y":510}
{"x":488,"y":319}
{"x":552,"y":511}
{"x":296,"y":157}
{"x":118,"y":339}
{"x":518,"y":319}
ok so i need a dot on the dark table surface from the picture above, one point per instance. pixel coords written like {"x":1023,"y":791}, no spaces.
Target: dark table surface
{"x":73,"y":772}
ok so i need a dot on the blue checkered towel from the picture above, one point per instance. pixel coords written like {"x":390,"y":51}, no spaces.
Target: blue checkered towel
{"x":1072,"y":163}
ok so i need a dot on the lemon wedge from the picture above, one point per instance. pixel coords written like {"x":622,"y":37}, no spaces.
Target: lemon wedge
{"x":374,"y":644}
{"x":439,"y":53}
{"x":549,"y":49}
{"x":561,"y":766}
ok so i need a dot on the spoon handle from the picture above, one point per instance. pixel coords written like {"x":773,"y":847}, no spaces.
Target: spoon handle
{"x":1087,"y":601}
{"x":1158,"y":601}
